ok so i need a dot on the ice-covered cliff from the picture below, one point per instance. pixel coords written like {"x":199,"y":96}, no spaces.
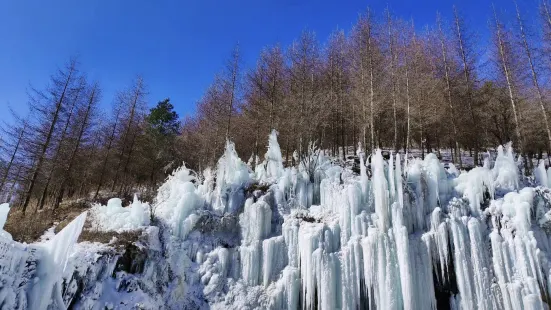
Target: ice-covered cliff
{"x":315,"y":236}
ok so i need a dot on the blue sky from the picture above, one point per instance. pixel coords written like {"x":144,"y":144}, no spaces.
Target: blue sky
{"x":178,"y":46}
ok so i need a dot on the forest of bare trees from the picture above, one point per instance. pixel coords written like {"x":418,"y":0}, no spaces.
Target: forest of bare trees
{"x":385,"y":83}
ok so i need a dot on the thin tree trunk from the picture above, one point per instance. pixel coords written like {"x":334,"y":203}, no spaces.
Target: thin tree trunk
{"x":393,"y":83}
{"x":408,"y":100}
{"x":232,"y":94}
{"x":272,"y":101}
{"x":371,"y":95}
{"x":364,"y":109}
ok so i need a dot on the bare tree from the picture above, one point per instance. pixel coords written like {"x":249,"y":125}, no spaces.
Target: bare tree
{"x":134,"y":105}
{"x":84,"y":123}
{"x":57,"y":156}
{"x":303,"y":88}
{"x":49,"y":114}
{"x":534,"y":74}
{"x":467,"y":75}
{"x":362,"y":54}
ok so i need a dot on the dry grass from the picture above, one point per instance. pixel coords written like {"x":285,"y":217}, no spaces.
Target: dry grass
{"x":123,"y":238}
{"x":29,"y":227}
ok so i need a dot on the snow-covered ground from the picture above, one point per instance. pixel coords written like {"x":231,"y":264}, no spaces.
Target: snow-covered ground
{"x":404,"y":233}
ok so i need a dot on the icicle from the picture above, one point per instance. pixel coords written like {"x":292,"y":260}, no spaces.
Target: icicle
{"x":309,"y":240}
{"x":540,"y":174}
{"x":391,"y":179}
{"x":462,"y":260}
{"x":290,"y":234}
{"x":274,"y":258}
{"x":364,"y":180}
{"x":399,"y":185}
{"x":255,"y":221}
{"x":251,"y":262}
{"x":380,"y":192}
{"x":422,"y":290}
{"x":4,"y":210}
{"x":480,"y":267}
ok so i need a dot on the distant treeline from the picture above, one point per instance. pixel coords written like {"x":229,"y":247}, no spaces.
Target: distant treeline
{"x":382,"y":84}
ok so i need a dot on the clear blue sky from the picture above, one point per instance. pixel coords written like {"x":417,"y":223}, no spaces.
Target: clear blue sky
{"x":178,"y":46}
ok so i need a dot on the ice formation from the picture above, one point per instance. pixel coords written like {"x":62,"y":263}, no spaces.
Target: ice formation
{"x":403,"y":234}
{"x":31,"y":275}
{"x":114,"y":217}
{"x":273,"y":160}
{"x":232,"y":175}
{"x":4,"y":210}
